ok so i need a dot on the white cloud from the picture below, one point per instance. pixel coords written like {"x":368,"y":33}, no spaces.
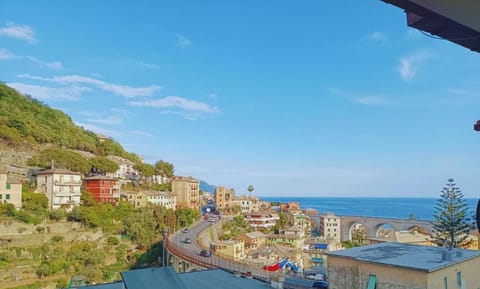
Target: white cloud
{"x":371,"y":100}
{"x":140,"y":133}
{"x":110,"y":120}
{"x":378,"y":36}
{"x":98,"y":129}
{"x":363,"y":99}
{"x":410,"y":64}
{"x":70,"y":93}
{"x":52,"y":65}
{"x":22,"y":32}
{"x":118,"y":89}
{"x":176,"y":102}
{"x":183,"y":41}
{"x":6,"y":55}
{"x":145,"y":64}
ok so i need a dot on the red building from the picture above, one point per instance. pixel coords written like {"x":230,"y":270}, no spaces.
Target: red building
{"x":103,"y":189}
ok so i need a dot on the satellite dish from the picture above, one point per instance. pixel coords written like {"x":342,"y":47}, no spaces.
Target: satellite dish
{"x":478,"y":215}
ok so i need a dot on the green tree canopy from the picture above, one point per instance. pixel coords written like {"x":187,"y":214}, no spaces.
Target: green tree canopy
{"x":65,"y":159}
{"x":147,"y":170}
{"x":452,"y":224}
{"x":164,"y":168}
{"x":103,"y":165}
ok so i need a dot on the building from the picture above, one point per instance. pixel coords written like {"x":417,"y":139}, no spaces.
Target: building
{"x":103,"y":189}
{"x":137,"y":199}
{"x":162,"y":198}
{"x":396,"y":265}
{"x":167,"y":278}
{"x":10,"y":193}
{"x":253,"y":240}
{"x":187,"y":191}
{"x":292,"y":237}
{"x":125,"y":170}
{"x":223,"y":198}
{"x":261,"y":221}
{"x":302,"y":221}
{"x":247,"y":204}
{"x":230,"y":249}
{"x":330,"y":227}
{"x":61,"y":186}
{"x":455,"y":21}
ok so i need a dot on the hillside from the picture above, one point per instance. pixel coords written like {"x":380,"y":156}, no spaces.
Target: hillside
{"x":27,"y":125}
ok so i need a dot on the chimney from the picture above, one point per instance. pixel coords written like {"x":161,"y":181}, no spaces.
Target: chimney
{"x":53,"y":165}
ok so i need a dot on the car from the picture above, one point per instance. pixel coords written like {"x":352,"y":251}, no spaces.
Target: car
{"x":205,"y":253}
{"x":211,"y":220}
{"x":185,"y":230}
{"x":187,"y":241}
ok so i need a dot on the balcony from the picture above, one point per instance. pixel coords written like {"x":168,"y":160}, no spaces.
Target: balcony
{"x":67,"y":183}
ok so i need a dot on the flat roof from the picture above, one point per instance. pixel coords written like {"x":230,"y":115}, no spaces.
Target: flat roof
{"x":219,"y":279}
{"x":416,"y":257}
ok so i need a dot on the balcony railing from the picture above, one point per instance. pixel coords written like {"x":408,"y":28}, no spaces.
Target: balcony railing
{"x":67,"y":183}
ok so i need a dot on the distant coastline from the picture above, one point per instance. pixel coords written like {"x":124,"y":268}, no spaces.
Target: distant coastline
{"x":402,"y":208}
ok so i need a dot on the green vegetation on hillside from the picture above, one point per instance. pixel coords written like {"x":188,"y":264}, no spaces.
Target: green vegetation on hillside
{"x":26,"y":122}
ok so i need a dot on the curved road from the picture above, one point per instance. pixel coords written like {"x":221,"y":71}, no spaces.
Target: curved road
{"x":191,"y":252}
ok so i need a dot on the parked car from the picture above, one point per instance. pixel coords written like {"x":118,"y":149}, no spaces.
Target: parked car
{"x":211,"y":220}
{"x":187,"y":241}
{"x":185,"y":230}
{"x":205,"y":253}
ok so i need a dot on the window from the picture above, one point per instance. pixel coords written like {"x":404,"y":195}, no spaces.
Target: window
{"x":459,"y":279}
{"x":445,"y":283}
{"x":0,"y":196}
{"x":8,"y":186}
{"x":7,"y":196}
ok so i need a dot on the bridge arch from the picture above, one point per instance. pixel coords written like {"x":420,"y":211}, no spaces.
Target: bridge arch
{"x":382,"y":228}
{"x":372,"y":225}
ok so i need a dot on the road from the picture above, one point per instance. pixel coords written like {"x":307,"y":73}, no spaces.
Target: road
{"x":191,"y":252}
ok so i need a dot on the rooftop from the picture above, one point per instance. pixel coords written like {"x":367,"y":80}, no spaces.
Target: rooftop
{"x":424,"y":258}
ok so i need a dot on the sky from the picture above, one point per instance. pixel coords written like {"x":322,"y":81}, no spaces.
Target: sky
{"x":310,"y":98}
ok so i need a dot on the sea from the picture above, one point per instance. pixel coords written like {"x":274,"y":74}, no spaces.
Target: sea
{"x":398,"y":208}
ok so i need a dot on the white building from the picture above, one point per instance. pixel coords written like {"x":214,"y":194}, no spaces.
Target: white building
{"x":162,"y":198}
{"x":261,"y":221}
{"x":330,"y":227}
{"x":125,"y":171}
{"x":247,"y":204}
{"x":61,"y":186}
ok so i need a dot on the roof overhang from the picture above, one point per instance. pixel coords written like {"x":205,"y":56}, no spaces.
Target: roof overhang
{"x":457,"y":21}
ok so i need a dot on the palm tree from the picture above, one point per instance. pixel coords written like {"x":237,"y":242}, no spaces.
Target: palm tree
{"x":250,"y":189}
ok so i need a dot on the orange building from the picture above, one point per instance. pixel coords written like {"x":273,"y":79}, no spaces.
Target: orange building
{"x":103,"y":189}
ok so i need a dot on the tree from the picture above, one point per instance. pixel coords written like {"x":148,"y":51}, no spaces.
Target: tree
{"x":164,"y":168}
{"x":452,"y":225}
{"x":250,"y":189}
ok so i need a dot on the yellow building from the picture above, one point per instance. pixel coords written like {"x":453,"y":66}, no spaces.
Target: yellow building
{"x":231,"y":249}
{"x":253,"y":240}
{"x":137,"y":199}
{"x":224,"y":199}
{"x":396,"y":265}
{"x":187,"y":190}
{"x":10,"y":193}
{"x":293,"y":237}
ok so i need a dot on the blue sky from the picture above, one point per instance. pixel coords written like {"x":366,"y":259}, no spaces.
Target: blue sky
{"x":326,"y":98}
